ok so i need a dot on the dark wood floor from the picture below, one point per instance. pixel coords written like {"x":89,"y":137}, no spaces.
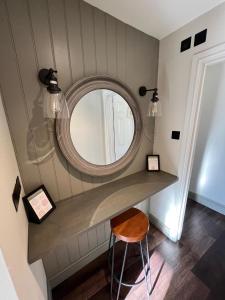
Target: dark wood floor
{"x":193,"y":268}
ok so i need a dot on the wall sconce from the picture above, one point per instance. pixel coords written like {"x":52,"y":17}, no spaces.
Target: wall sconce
{"x":55,"y":105}
{"x":154,"y":108}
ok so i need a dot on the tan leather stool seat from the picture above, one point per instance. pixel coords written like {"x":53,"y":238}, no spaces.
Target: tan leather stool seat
{"x":131,"y":226}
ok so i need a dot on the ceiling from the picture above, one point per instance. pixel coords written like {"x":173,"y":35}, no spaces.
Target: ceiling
{"x":157,"y":18}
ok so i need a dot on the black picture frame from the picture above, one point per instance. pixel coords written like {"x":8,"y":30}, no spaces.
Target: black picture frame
{"x":153,"y":156}
{"x":32,"y":214}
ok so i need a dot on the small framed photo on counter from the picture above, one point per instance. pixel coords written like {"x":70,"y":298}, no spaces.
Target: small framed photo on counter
{"x":38,"y":205}
{"x":153,"y":163}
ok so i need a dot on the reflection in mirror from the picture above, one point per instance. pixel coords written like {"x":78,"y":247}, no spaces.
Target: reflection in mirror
{"x":102,"y":127}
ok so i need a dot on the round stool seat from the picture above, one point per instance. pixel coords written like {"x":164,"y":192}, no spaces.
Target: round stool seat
{"x":131,"y":226}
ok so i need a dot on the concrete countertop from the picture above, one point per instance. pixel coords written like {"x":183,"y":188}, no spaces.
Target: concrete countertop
{"x":77,"y":214}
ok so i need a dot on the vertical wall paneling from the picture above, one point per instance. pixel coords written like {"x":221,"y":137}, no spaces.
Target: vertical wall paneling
{"x":59,"y":36}
{"x":101,"y":233}
{"x":42,"y":126}
{"x":135,"y":61}
{"x":51,"y":264}
{"x":75,"y":50}
{"x":83,"y":243}
{"x":62,"y":256}
{"x":39,"y":16}
{"x":15,"y":102}
{"x":121,"y":50}
{"x":92,"y":238}
{"x":131,"y":77}
{"x":74,"y":38}
{"x":61,"y":57}
{"x":78,"y":40}
{"x":107,"y":230}
{"x":111,"y":42}
{"x":88,"y":37}
{"x":73,"y":249}
{"x":100,"y":41}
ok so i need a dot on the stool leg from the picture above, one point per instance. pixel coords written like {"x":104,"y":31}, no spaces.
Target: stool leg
{"x":109,"y":251}
{"x":110,"y":240}
{"x":121,"y":275}
{"x":146,"y":240}
{"x":143,"y":263}
{"x":112,"y":264}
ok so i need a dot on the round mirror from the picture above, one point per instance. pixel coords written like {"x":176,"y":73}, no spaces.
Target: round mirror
{"x":104,"y":130}
{"x":102,"y":127}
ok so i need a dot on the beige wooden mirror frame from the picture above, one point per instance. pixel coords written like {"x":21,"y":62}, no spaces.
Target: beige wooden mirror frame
{"x":73,"y":96}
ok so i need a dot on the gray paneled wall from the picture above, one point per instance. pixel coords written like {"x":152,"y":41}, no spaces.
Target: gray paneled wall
{"x":68,"y":258}
{"x":78,"y":40}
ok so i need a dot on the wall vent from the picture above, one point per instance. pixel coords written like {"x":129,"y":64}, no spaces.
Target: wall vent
{"x":185,"y":44}
{"x":200,"y":37}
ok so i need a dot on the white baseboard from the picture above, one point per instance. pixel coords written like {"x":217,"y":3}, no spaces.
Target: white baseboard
{"x":163,"y":228}
{"x":207,"y":202}
{"x":77,"y":265}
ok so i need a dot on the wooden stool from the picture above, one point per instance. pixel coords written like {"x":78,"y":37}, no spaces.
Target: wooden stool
{"x":130,"y":227}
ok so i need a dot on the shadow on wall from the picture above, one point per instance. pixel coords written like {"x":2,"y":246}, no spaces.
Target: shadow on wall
{"x":40,"y":136}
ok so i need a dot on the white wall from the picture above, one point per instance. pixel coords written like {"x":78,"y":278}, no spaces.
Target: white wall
{"x":173,"y":83}
{"x":207,"y":179}
{"x":7,"y":288}
{"x":14,"y":226}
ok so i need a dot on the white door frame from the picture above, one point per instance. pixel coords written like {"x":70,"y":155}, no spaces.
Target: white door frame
{"x":199,"y":64}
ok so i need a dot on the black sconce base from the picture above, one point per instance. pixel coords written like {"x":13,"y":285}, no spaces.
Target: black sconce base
{"x":142,"y":91}
{"x":43,"y":76}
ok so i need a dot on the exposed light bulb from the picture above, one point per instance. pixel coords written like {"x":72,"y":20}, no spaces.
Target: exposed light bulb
{"x":55,"y":106}
{"x":154,"y":109}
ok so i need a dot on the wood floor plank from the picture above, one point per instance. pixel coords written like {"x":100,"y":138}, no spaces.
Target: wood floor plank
{"x":210,"y":269}
{"x":191,"y":269}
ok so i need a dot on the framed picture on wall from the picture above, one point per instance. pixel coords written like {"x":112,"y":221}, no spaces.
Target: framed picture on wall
{"x":38,"y":205}
{"x":153,"y":163}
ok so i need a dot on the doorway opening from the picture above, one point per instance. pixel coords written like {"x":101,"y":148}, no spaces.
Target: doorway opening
{"x":208,"y":171}
{"x":200,"y":64}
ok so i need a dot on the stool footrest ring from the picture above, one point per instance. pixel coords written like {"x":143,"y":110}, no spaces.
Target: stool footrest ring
{"x":126,"y":283}
{"x":131,"y":284}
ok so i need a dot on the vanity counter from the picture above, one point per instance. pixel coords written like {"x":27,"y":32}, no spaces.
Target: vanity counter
{"x":77,"y":214}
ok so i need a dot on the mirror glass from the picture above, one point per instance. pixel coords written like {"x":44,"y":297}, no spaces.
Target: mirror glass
{"x":102,"y":127}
